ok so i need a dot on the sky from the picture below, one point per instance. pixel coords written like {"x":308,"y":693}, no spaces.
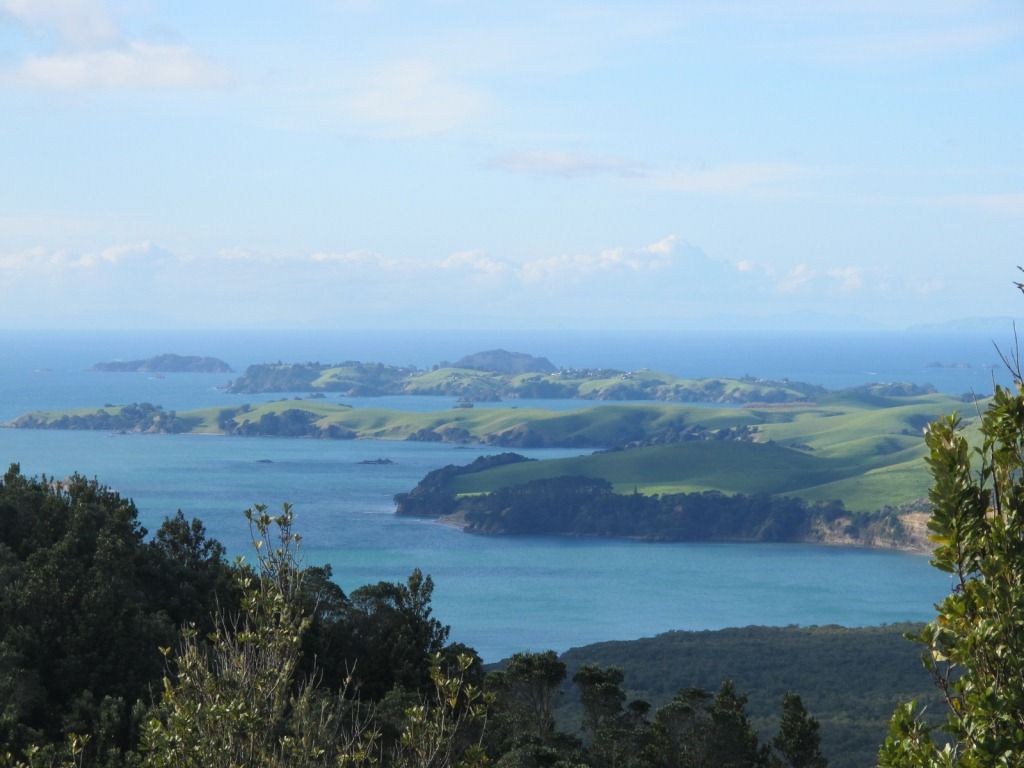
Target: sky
{"x":337,"y":164}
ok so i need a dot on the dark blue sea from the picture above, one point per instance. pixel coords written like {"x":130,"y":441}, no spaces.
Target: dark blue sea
{"x":499,"y":594}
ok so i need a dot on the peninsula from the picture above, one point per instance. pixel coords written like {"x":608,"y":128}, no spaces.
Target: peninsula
{"x":588,"y":505}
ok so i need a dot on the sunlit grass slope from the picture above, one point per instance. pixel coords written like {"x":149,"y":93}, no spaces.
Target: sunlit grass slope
{"x":595,"y":426}
{"x":863,"y":449}
{"x":868,"y":454}
{"x":698,"y":465}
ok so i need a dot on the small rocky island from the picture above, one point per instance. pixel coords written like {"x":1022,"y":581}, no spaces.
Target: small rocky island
{"x":166,"y":363}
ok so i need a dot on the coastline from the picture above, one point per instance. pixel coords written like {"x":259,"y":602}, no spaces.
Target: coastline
{"x":917,"y":544}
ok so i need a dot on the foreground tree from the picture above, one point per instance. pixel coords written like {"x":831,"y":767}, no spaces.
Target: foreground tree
{"x":238,"y":699}
{"x":732,"y":741}
{"x":797,"y":744}
{"x":527,"y":687}
{"x":975,"y":646}
{"x":85,"y":601}
{"x":614,"y":734}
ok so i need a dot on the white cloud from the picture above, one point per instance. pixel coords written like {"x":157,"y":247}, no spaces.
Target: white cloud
{"x":664,"y":247}
{"x":108,"y":286}
{"x":134,"y":65}
{"x":414,"y":98}
{"x":569,"y":165}
{"x":130,"y":254}
{"x":850,"y":279}
{"x":80,"y":22}
{"x":674,"y":278}
{"x":146,"y":251}
{"x":92,"y":52}
{"x":358,"y":257}
{"x":649,"y":258}
{"x":827,"y":283}
{"x":11,"y":262}
{"x":476,"y":261}
{"x":797,"y":279}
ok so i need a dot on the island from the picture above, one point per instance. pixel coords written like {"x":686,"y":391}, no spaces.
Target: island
{"x":611,"y":425}
{"x":167,"y":363}
{"x":501,"y":375}
{"x":135,"y":417}
{"x":502,"y":361}
{"x":847,"y":468}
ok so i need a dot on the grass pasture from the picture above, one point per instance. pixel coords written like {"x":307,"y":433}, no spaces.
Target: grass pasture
{"x":867,"y":454}
{"x":864,"y":449}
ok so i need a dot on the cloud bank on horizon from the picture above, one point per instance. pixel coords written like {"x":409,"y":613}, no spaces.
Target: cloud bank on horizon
{"x":344,"y":163}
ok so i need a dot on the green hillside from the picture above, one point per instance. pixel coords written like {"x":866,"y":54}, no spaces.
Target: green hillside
{"x":863,"y":447}
{"x":593,"y":427}
{"x":694,"y":466}
{"x":503,"y":379}
{"x":868,"y":455}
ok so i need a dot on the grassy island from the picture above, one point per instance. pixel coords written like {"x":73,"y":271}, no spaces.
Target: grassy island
{"x":506,"y":379}
{"x":793,"y":462}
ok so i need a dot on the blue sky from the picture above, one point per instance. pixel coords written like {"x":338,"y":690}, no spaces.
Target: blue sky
{"x":364,"y":163}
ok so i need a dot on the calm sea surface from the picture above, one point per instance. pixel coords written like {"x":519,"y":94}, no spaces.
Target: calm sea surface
{"x":499,"y":594}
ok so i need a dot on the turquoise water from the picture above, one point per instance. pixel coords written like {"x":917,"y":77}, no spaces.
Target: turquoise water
{"x":499,"y":594}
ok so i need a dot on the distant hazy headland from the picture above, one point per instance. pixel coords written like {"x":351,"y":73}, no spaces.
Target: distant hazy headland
{"x":167,"y":363}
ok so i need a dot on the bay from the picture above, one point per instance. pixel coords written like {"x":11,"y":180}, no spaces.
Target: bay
{"x":499,"y":594}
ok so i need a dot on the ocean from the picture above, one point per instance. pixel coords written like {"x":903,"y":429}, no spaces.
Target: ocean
{"x":499,"y":594}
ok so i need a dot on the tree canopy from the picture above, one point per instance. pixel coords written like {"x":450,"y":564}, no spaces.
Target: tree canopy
{"x":975,"y":646}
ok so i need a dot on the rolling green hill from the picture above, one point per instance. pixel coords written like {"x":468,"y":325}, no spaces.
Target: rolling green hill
{"x":481,"y":382}
{"x":594,"y":427}
{"x":867,"y":455}
{"x":862,"y":447}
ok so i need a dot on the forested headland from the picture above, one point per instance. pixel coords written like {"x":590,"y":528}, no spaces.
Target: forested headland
{"x":586,"y":506}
